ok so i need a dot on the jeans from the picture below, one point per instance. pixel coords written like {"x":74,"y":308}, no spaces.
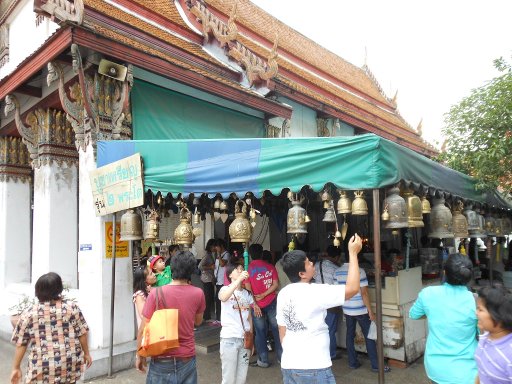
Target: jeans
{"x":364,"y":322}
{"x":209,"y":297}
{"x":235,"y":360}
{"x":308,"y":376}
{"x":332,"y":322}
{"x":169,"y":371}
{"x":260,"y":327}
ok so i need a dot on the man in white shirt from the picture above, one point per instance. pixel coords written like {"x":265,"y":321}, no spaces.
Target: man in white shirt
{"x":301,"y":311}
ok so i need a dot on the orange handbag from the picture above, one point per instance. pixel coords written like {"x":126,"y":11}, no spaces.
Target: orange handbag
{"x":161,"y":332}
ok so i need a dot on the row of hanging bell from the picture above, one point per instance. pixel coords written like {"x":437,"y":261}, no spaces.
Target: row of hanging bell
{"x":358,"y":207}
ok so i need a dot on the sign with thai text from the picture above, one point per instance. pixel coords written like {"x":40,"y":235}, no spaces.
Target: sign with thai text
{"x":121,"y":246}
{"x":117,"y":186}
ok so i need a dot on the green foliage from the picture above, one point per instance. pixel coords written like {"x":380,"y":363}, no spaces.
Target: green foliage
{"x":478,"y":132}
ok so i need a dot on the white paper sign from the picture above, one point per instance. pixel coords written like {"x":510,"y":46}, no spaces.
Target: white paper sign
{"x":117,"y":186}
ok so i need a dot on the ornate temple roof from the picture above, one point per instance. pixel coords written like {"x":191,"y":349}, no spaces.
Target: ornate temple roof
{"x":271,"y":55}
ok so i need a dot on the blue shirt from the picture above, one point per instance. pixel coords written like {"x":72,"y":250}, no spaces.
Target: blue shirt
{"x":452,"y":329}
{"x":355,"y":305}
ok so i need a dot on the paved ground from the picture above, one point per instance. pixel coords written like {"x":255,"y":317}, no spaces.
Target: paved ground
{"x":209,"y":371}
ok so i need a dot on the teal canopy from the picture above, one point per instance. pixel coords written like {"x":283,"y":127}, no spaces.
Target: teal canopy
{"x":256,"y":165}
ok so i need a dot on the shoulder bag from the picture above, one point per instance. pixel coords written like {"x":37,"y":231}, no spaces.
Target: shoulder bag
{"x":248,"y":335}
{"x":161,"y":332}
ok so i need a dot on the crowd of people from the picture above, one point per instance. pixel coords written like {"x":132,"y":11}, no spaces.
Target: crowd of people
{"x":295,"y":304}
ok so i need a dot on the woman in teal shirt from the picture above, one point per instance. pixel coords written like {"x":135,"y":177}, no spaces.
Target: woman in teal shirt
{"x":452,"y":325}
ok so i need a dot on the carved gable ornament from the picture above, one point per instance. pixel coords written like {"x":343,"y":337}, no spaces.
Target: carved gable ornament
{"x":257,"y":70}
{"x":61,"y":11}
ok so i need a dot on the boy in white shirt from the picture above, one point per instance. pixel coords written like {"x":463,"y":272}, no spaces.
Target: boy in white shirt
{"x":301,"y":311}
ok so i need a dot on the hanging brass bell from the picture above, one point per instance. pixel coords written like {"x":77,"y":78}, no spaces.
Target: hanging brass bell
{"x":197,"y":218}
{"x":336,"y":242}
{"x":223,"y":207}
{"x":131,"y":226}
{"x":499,"y":227}
{"x":459,"y":222}
{"x":216,"y":204}
{"x":471,"y":217}
{"x":296,"y":219}
{"x":183,"y":234}
{"x":337,"y":234}
{"x":414,"y":211}
{"x":344,"y":203}
{"x":490,"y":225}
{"x":240,"y":230}
{"x":359,"y":206}
{"x":307,"y":219}
{"x":385,"y":214}
{"x":326,"y":198}
{"x":396,"y":208}
{"x":440,"y":221}
{"x":330,"y":215}
{"x":152,"y":226}
{"x":425,"y":205}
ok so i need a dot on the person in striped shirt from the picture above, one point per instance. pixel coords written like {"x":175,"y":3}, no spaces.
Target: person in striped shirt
{"x":494,"y":352}
{"x":357,"y":310}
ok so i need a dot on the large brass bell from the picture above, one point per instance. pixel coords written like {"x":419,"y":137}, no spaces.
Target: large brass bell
{"x":396,"y":209}
{"x":490,"y":225}
{"x":440,"y":221}
{"x":296,"y":219}
{"x":359,"y":206}
{"x":459,"y":222}
{"x":240,"y":230}
{"x":131,"y":226}
{"x":475,"y":223}
{"x":183,"y":234}
{"x":152,"y":226}
{"x":330,"y":215}
{"x":414,"y":211}
{"x":425,"y":205}
{"x":344,"y":203}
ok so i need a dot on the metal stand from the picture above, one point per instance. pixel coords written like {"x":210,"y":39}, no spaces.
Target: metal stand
{"x":112,"y":296}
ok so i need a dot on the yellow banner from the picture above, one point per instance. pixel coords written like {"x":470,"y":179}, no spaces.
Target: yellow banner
{"x":121,"y":246}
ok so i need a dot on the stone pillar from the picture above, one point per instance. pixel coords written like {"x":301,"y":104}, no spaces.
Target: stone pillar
{"x":15,"y":220}
{"x":55,"y":224}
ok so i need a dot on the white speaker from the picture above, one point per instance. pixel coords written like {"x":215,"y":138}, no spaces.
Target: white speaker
{"x":113,"y":70}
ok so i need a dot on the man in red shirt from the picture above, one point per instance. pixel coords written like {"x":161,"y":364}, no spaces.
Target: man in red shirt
{"x":263,"y":282}
{"x":177,"y":365}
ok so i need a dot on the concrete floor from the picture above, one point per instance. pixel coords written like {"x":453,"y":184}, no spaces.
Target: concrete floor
{"x":209,"y":371}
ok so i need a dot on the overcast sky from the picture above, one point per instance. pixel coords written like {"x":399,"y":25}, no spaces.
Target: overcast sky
{"x":434,"y":52}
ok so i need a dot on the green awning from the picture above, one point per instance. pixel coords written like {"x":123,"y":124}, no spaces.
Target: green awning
{"x":256,"y":165}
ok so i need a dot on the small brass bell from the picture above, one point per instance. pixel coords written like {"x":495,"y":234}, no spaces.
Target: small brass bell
{"x":152,"y":226}
{"x":359,"y":206}
{"x":425,"y":205}
{"x":336,"y":242}
{"x":337,"y":234}
{"x":326,"y":198}
{"x":183,"y":234}
{"x":197,"y":218}
{"x":385,"y":214}
{"x":240,"y":230}
{"x":307,"y":219}
{"x":344,"y":203}
{"x":459,"y":222}
{"x":414,"y":210}
{"x":440,"y":221}
{"x":216,"y":204}
{"x":396,"y":208}
{"x":330,"y":215}
{"x":223,"y":206}
{"x":296,"y":219}
{"x":131,"y":226}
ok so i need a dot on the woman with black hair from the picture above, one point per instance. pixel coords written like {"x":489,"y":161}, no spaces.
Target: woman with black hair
{"x":143,"y":279}
{"x":494,"y":353}
{"x":452,"y":324}
{"x":56,"y":332}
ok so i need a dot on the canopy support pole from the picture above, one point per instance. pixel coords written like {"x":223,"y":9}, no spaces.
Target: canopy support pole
{"x":112,"y":295}
{"x":378,"y":282}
